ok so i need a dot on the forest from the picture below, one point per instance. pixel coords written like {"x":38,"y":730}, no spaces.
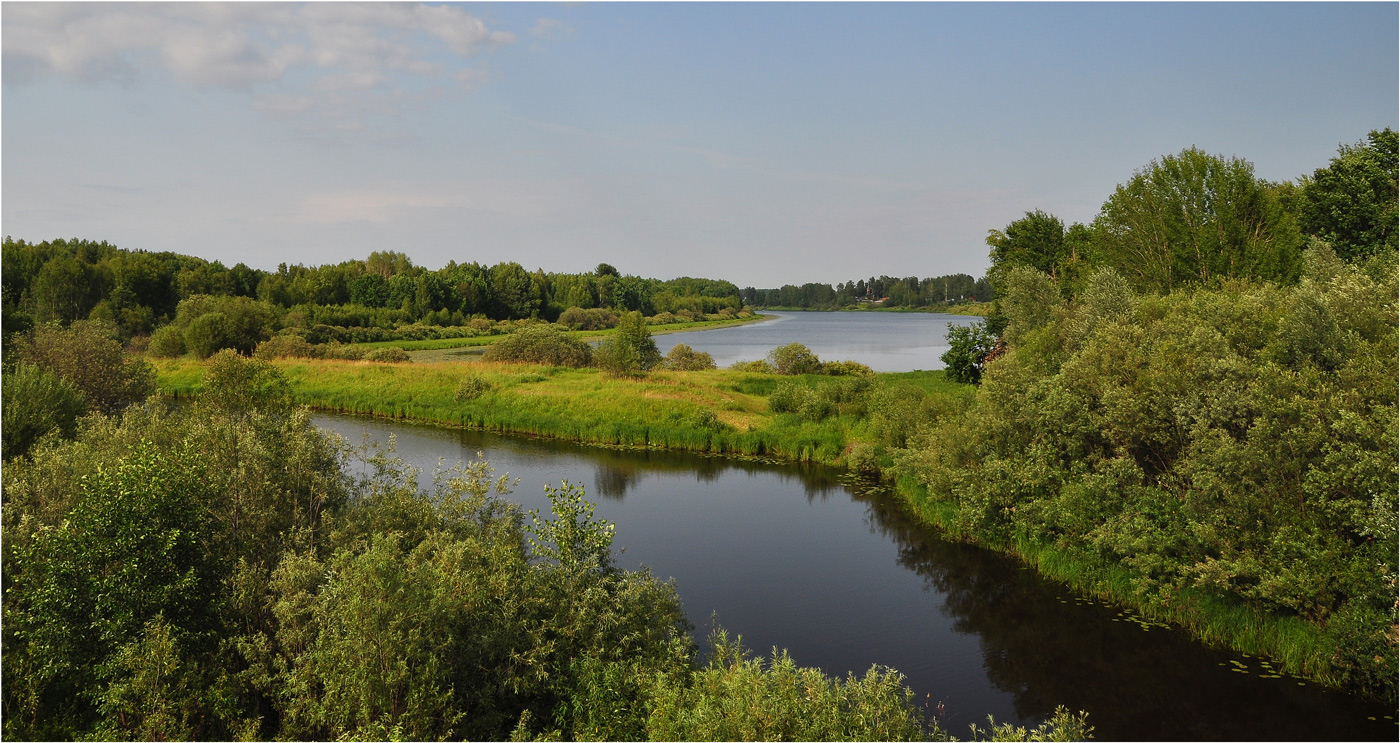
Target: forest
{"x":908,"y":292}
{"x":1188,"y":406}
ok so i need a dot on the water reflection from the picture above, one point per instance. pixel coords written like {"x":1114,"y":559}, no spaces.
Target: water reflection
{"x":790,"y":556}
{"x":1046,"y":647}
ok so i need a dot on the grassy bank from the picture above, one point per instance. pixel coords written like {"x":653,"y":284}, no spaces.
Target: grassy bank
{"x":719,"y":411}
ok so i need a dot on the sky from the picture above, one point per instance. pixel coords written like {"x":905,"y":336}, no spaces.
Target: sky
{"x":763,"y":144}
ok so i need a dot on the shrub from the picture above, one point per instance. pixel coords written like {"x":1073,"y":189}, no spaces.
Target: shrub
{"x":760,"y":366}
{"x":789,"y":397}
{"x":471,"y":387}
{"x":88,"y":357}
{"x":861,"y":458}
{"x":846,"y":369}
{"x":390,"y":355}
{"x":288,"y":347}
{"x":167,"y":342}
{"x":684,"y":358}
{"x":597,"y":318}
{"x":36,"y":402}
{"x":968,"y":346}
{"x":208,"y":333}
{"x":541,"y":344}
{"x":794,"y":358}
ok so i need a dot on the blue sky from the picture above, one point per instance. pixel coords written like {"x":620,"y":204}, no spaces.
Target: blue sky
{"x":759,"y":143}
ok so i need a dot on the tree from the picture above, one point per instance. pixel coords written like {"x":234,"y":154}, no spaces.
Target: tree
{"x":1194,"y":217}
{"x":968,"y":346}
{"x":630,"y":350}
{"x":1036,"y":240}
{"x":1352,"y":203}
{"x":794,"y":358}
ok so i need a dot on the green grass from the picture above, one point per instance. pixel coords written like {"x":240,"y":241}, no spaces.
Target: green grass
{"x":661,"y":410}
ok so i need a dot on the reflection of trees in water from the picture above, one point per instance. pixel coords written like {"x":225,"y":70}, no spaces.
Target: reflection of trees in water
{"x":1135,"y":684}
{"x":610,"y":481}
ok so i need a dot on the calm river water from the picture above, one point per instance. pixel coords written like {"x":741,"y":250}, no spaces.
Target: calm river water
{"x":801,"y":558}
{"x":886,"y":341}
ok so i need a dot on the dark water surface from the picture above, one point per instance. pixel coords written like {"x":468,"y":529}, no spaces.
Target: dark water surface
{"x":802,"y":558}
{"x":886,"y":341}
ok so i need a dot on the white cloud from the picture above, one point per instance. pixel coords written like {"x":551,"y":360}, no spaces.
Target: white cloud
{"x":347,"y":48}
{"x":550,"y":28}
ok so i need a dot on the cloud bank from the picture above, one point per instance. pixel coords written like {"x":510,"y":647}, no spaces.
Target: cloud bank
{"x":299,"y":59}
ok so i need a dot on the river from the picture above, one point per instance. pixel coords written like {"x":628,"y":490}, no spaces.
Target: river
{"x":807,"y":559}
{"x":886,"y":341}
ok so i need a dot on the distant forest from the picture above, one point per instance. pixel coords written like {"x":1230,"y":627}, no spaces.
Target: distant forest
{"x":889,"y":291}
{"x":383,"y":297}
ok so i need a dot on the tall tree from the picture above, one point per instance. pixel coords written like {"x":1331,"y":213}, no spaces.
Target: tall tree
{"x":1354,"y":202}
{"x":1193,"y":217}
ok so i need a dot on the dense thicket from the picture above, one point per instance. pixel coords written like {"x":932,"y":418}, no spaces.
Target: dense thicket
{"x":1184,"y":394}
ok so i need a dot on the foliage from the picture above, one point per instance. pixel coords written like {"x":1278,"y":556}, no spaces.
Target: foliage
{"x":794,"y":358}
{"x":846,"y":368}
{"x":471,"y":387}
{"x":595,"y":318}
{"x":168,"y":342}
{"x":683,"y":358}
{"x":738,"y":698}
{"x":1352,"y":203}
{"x":36,"y":403}
{"x":541,"y":344}
{"x":88,"y":357}
{"x":1194,"y":217}
{"x":630,"y":350}
{"x":1238,"y":441}
{"x":968,"y":347}
{"x":389,"y":355}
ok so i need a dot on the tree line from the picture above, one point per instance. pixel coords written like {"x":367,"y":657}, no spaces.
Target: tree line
{"x":910,"y":291}
{"x":66,"y":280}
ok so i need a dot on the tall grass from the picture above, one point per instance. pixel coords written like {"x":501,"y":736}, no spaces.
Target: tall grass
{"x":662,"y":410}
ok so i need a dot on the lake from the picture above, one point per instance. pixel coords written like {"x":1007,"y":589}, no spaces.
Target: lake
{"x":885,"y":341}
{"x":809,"y":559}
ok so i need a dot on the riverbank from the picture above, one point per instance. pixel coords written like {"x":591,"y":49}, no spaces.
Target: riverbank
{"x":728,"y":412}
{"x":717,"y":411}
{"x":466,"y":349}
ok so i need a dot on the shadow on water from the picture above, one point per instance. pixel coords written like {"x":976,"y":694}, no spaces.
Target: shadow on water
{"x":1047,"y":646}
{"x":804,"y":557}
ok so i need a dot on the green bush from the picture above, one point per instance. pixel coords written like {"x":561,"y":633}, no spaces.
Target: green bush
{"x":207,"y":334}
{"x":761,"y":366}
{"x":167,"y":342}
{"x":794,"y":358}
{"x":87,"y":356}
{"x":390,"y":355}
{"x":683,"y":358}
{"x":471,"y":387}
{"x":846,"y":369}
{"x":37,"y":402}
{"x":540,"y":344}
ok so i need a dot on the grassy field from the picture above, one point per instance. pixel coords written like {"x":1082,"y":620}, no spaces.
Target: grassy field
{"x":719,"y":411}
